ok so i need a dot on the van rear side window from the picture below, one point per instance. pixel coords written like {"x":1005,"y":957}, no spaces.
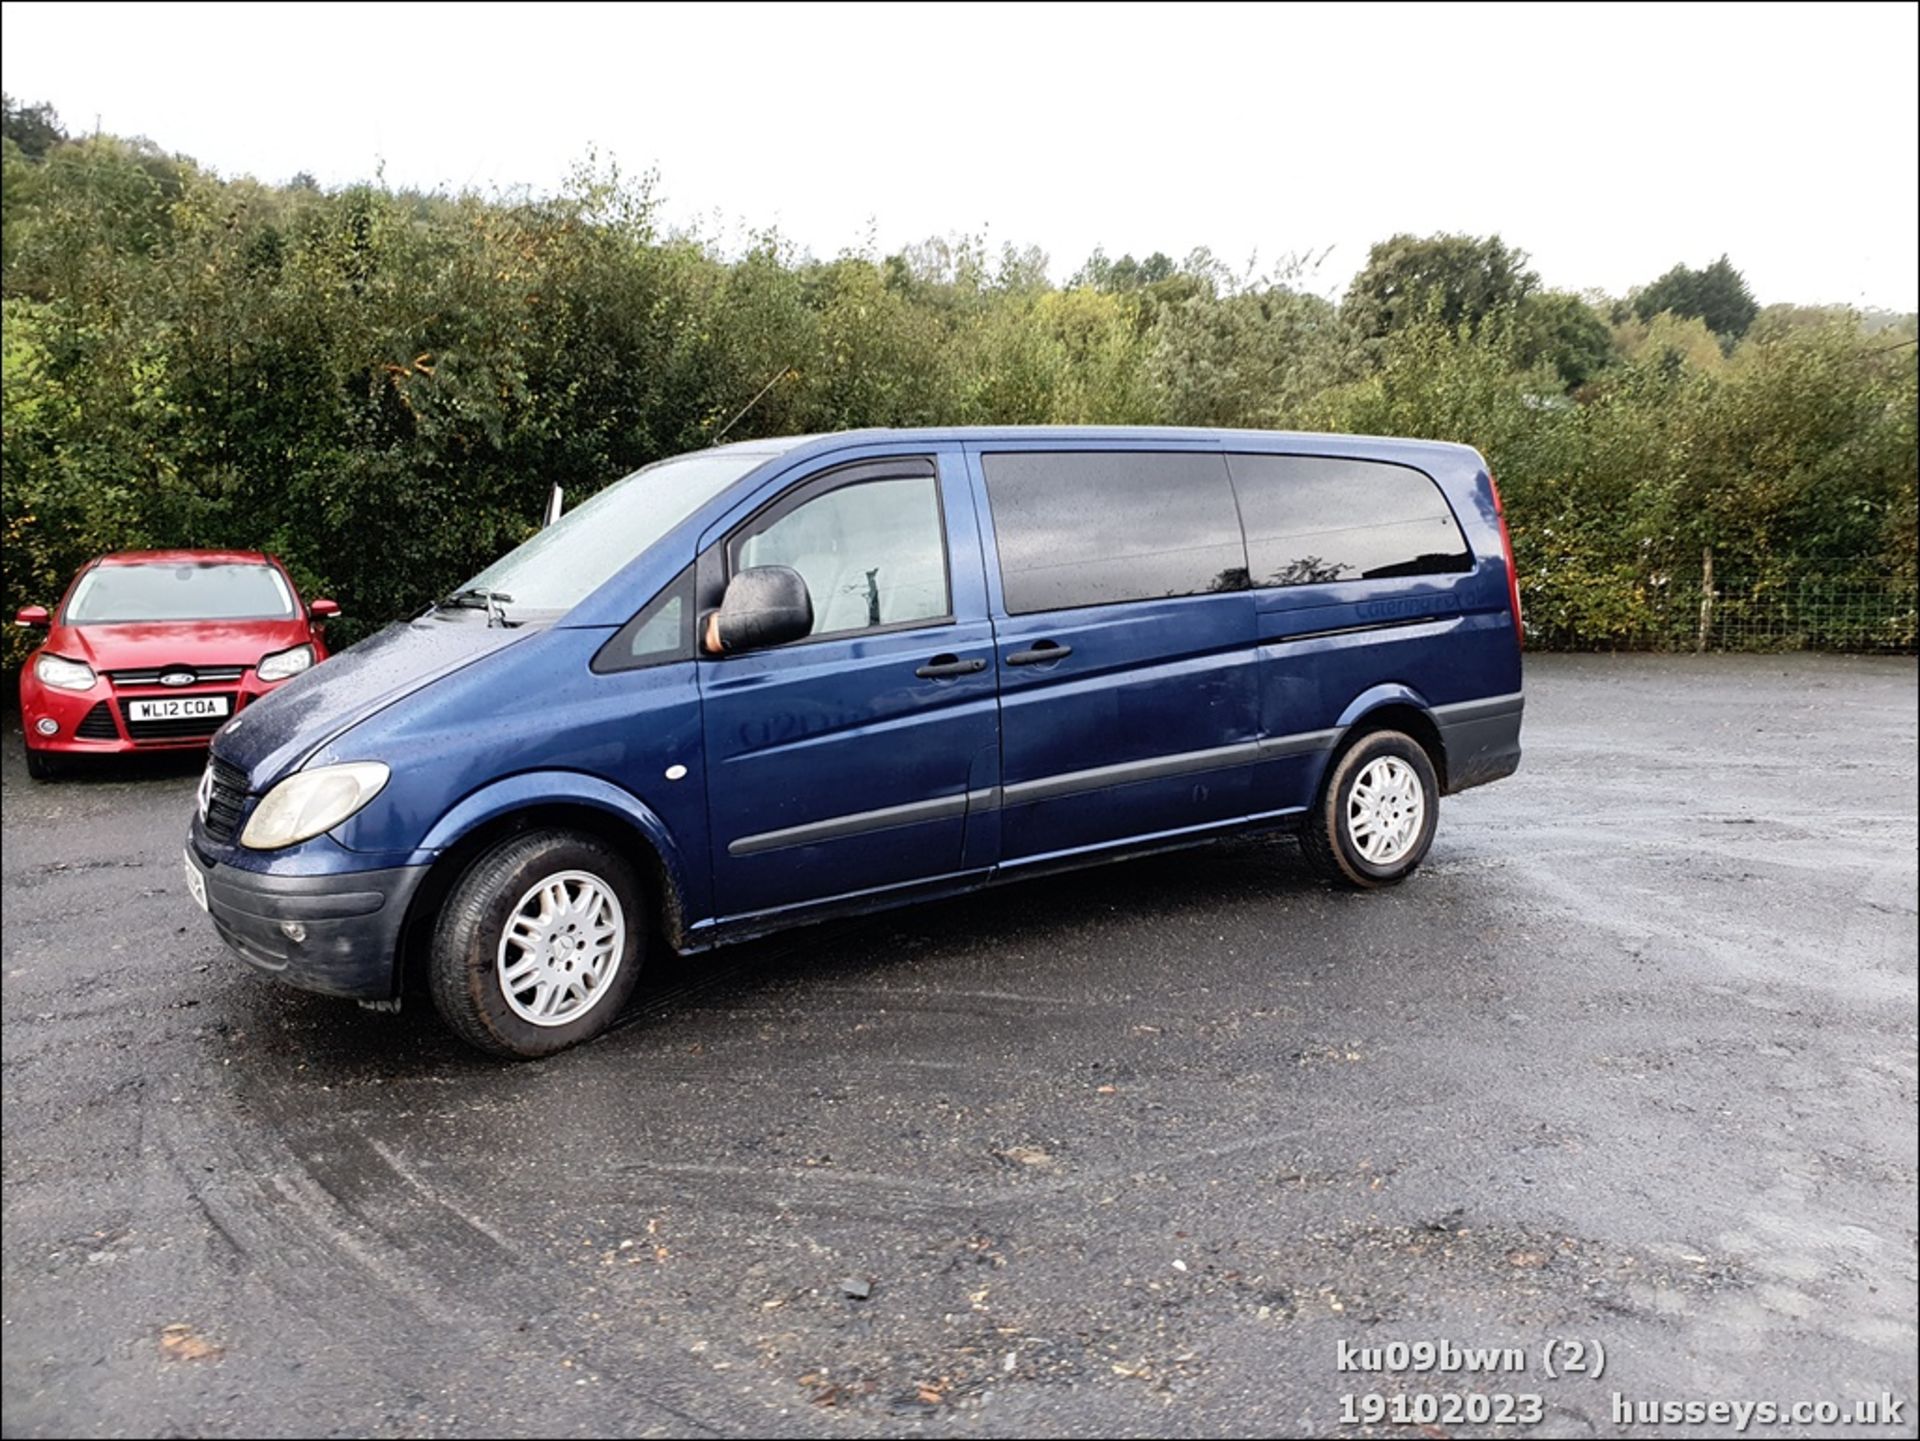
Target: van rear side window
{"x":1098,"y":527}
{"x":1313,"y":519}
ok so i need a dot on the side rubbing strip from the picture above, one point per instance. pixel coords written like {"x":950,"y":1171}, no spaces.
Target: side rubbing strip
{"x":1473,"y":710}
{"x":1396,"y":623}
{"x":1293,"y":745}
{"x":839,"y":827}
{"x":1100,"y":777}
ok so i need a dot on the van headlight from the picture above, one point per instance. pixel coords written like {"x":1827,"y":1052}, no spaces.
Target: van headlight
{"x":63,"y":674}
{"x":304,"y":805}
{"x":284,"y":663}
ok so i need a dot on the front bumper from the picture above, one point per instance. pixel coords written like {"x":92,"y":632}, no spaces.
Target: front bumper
{"x":345,"y":929}
{"x":97,"y":721}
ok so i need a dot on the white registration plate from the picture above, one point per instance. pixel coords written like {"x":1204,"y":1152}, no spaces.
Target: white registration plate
{"x":196,"y":883}
{"x":183,"y":707}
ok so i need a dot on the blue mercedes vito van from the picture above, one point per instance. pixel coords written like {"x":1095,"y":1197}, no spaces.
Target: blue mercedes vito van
{"x":783,"y":679}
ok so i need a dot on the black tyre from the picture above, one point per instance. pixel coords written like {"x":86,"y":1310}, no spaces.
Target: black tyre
{"x":41,"y":766}
{"x":539,"y":944}
{"x":1376,"y":812}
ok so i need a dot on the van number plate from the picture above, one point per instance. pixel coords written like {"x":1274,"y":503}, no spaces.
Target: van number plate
{"x":196,"y":883}
{"x":186,"y":707}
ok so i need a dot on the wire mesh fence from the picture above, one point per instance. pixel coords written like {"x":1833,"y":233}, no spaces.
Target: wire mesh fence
{"x":1854,"y":606}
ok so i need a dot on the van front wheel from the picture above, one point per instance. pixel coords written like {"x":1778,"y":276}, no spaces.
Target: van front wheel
{"x":1376,"y":814}
{"x":539,"y":944}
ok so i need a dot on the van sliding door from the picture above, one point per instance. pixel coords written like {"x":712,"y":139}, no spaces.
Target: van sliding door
{"x":1129,"y":689}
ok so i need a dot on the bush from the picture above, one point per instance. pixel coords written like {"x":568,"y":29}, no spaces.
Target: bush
{"x":382,"y":386}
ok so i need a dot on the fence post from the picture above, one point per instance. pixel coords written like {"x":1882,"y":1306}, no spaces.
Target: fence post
{"x":1706,"y":598}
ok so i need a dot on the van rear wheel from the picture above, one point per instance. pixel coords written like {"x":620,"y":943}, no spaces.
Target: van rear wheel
{"x":539,"y":945}
{"x":1376,"y":813}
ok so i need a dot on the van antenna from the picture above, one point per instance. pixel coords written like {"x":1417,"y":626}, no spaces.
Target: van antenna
{"x":779,"y":376}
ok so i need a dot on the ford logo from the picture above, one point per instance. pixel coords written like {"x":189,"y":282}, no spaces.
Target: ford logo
{"x":177,"y":677}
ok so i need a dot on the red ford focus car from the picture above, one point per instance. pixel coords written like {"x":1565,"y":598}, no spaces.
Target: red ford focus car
{"x":155,"y":649}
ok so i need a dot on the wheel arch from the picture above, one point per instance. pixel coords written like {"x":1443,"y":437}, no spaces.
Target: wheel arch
{"x":560,"y":800}
{"x":1387,"y":707}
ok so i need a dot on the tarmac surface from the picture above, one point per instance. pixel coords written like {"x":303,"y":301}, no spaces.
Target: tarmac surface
{"x":1630,"y":1063}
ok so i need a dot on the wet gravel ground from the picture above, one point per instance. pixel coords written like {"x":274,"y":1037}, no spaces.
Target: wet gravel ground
{"x":1631,"y":1061}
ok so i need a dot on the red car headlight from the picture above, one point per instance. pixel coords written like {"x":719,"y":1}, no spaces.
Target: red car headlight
{"x":63,"y":674}
{"x":284,"y":664}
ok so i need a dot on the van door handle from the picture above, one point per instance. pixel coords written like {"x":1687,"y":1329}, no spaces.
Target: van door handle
{"x":1042,"y":652}
{"x":943,"y":667}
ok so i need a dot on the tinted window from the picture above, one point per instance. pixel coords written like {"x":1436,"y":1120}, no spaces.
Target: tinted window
{"x":1092,"y":528}
{"x":872,"y":553}
{"x":195,"y":590}
{"x":1313,"y":519}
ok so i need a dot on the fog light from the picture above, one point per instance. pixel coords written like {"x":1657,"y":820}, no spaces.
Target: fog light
{"x":293,"y":931}
{"x":46,"y":725}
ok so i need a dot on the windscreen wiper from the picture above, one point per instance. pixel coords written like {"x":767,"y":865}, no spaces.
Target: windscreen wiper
{"x":493,"y":602}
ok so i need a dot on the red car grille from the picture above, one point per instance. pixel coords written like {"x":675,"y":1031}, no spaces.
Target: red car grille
{"x":203,"y":674}
{"x":97,"y":725}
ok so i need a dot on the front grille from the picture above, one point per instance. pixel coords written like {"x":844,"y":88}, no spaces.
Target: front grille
{"x":187,"y":728}
{"x":226,"y":798}
{"x":98,"y":724}
{"x":202,"y":674}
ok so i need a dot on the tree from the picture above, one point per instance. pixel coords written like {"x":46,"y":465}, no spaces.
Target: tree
{"x":34,"y":128}
{"x":1454,"y":280}
{"x":1718,"y":295}
{"x":1125,"y":274}
{"x":1670,"y":344}
{"x":1254,"y":358}
{"x":1022,"y":269}
{"x":1567,"y":333}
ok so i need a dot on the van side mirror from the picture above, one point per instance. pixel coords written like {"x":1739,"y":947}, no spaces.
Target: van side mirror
{"x":324,"y":609}
{"x":35,"y":617}
{"x":764,"y":605}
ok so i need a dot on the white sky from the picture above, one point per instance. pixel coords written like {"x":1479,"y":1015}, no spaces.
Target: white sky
{"x":1609,"y":142}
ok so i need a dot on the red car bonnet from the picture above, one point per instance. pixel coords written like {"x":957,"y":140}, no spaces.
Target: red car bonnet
{"x":139,"y":644}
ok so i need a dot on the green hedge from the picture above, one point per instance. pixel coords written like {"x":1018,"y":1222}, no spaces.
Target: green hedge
{"x":381,"y":387}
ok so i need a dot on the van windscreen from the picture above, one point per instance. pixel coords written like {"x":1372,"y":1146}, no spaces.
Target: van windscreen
{"x":562,"y":565}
